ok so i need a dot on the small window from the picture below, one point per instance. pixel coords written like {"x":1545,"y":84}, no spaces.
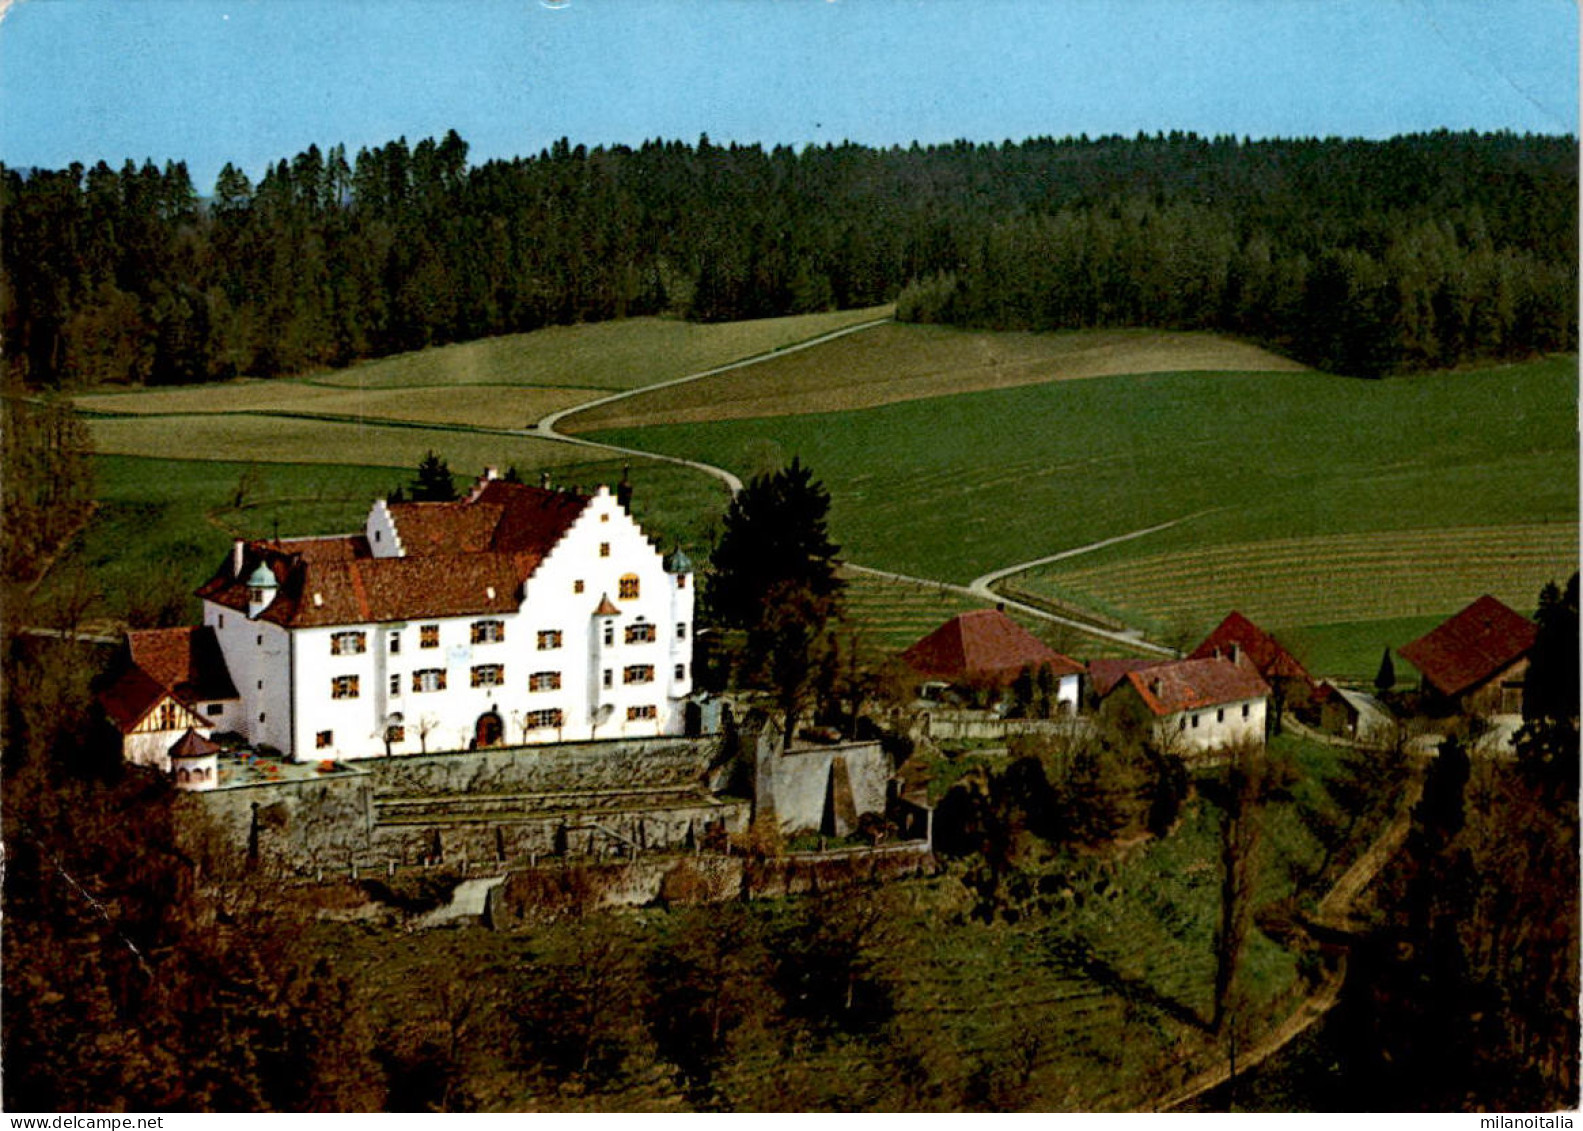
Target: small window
{"x":395,"y":684}
{"x":395,"y":643}
{"x":343,"y":687}
{"x":681,"y":630}
{"x":429,"y":679}
{"x":610,"y":634}
{"x":681,"y":581}
{"x":638,"y":673}
{"x":488,"y":631}
{"x":544,"y":681}
{"x":577,"y":586}
{"x":261,"y":716}
{"x":255,"y":595}
{"x":348,"y":643}
{"x":1220,"y":714}
{"x":1195,"y":722}
{"x":605,"y":517}
{"x":429,"y":636}
{"x":609,"y":674}
{"x":647,"y":712}
{"x":376,"y":535}
{"x":549,"y":640}
{"x":1181,"y":723}
{"x":628,"y":590}
{"x":681,"y":671}
{"x":221,"y":623}
{"x":1245,"y":710}
{"x":488,"y":675}
{"x":214,"y":709}
{"x":540,"y":719}
{"x":640,"y":634}
{"x":167,"y":716}
{"x":261,"y":685}
{"x":324,"y":739}
{"x":258,"y":641}
{"x":604,"y":549}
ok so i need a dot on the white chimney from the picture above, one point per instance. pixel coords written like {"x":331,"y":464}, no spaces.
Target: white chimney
{"x":236,"y":557}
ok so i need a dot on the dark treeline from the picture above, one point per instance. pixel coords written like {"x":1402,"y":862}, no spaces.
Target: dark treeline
{"x":1364,"y":257}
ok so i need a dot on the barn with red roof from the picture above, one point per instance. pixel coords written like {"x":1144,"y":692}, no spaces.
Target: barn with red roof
{"x":1476,"y":661}
{"x":986,"y":648}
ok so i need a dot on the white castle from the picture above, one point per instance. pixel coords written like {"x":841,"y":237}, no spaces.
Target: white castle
{"x":515,"y":615}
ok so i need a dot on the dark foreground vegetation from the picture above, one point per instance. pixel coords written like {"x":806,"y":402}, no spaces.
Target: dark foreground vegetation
{"x":1359,"y":257}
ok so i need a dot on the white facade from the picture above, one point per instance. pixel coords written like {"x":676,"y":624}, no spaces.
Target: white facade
{"x":1212,"y":728}
{"x":598,"y":646}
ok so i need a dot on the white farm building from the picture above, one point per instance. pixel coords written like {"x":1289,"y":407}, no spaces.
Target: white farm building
{"x":515,"y":615}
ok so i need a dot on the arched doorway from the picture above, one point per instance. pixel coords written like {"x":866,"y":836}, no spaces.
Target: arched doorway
{"x":489,"y":730}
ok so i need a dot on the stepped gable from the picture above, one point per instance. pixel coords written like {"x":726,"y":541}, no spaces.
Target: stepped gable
{"x":1479,"y":642}
{"x":984,"y":644}
{"x":1187,"y":685}
{"x":184,"y":663}
{"x":464,"y":558}
{"x":1103,"y":675}
{"x":1267,"y":653}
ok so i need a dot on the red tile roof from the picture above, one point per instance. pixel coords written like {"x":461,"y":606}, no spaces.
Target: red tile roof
{"x":193,"y":745}
{"x":184,"y":663}
{"x":461,"y":559}
{"x":984,"y":644}
{"x":1479,"y":642}
{"x":1103,"y":675}
{"x":1267,"y":654}
{"x":1188,"y":685}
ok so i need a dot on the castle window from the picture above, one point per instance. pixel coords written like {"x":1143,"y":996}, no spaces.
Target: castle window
{"x":429,"y":636}
{"x":628,"y":590}
{"x":221,"y":623}
{"x":647,"y":712}
{"x":604,"y":549}
{"x":258,"y":641}
{"x":640,"y":634}
{"x":348,"y":643}
{"x":638,"y":673}
{"x":488,"y":631}
{"x":489,"y":675}
{"x":255,"y":595}
{"x":324,"y":739}
{"x":681,"y":630}
{"x":343,"y":687}
{"x":214,"y":709}
{"x":429,"y":679}
{"x":681,"y":671}
{"x":167,"y":716}
{"x":395,"y":684}
{"x":608,"y":677}
{"x":539,"y":719}
{"x":395,"y":643}
{"x":544,"y":681}
{"x":577,"y":586}
{"x":549,"y":640}
{"x":610,"y":634}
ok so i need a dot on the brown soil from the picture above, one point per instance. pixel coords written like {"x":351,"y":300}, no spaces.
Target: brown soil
{"x":900,"y":362}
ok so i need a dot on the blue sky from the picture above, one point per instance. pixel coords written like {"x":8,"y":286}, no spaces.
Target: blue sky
{"x":252,"y":81}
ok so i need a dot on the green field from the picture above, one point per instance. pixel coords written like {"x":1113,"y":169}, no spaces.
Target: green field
{"x":956,"y":486}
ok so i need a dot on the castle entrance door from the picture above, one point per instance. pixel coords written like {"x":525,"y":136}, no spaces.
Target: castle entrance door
{"x":489,"y":730}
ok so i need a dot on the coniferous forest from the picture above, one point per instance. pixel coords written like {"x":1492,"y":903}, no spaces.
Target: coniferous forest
{"x":1361,"y":257}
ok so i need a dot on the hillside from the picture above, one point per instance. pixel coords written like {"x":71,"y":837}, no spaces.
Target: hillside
{"x":895,"y":363}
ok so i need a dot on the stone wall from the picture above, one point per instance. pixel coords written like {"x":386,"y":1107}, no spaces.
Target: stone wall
{"x":826,"y":788}
{"x":653,"y":762}
{"x":944,"y":725}
{"x":543,"y":894}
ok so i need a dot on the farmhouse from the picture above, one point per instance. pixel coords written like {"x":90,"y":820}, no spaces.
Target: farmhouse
{"x":1195,"y":706}
{"x":518,"y":613}
{"x":173,"y":681}
{"x":1237,"y":636}
{"x":1475,"y":663}
{"x":987,"y":649}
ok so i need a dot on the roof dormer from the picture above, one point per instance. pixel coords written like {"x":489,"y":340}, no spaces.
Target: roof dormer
{"x":261,"y":590}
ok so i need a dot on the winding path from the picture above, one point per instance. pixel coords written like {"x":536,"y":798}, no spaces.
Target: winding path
{"x":980,"y":588}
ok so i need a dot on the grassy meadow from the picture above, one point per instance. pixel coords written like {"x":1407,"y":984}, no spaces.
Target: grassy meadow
{"x":1438,"y":483}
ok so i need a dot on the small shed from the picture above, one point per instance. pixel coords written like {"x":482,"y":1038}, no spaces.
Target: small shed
{"x":1355,"y":715}
{"x":194,"y":762}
